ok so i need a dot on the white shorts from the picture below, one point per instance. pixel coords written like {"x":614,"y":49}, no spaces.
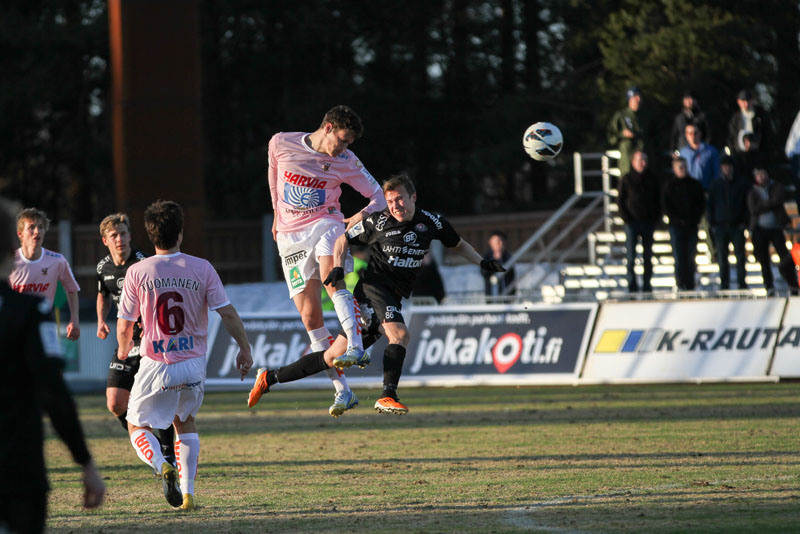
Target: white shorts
{"x":300,"y":252}
{"x":161,"y":391}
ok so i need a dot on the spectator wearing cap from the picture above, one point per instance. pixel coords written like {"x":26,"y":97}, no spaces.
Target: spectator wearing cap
{"x":639,"y":202}
{"x":690,"y":113}
{"x":747,"y":119}
{"x":793,"y":153}
{"x":768,"y":217}
{"x":627,"y":129}
{"x":684,"y":204}
{"x":727,"y":216}
{"x":702,"y":159}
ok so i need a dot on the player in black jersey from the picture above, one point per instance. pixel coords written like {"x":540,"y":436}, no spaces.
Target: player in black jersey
{"x":115,"y":232}
{"x":398,"y":238}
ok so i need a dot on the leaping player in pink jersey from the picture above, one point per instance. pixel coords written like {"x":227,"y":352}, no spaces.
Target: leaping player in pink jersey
{"x":37,"y":270}
{"x":172,"y":293}
{"x":306,"y":171}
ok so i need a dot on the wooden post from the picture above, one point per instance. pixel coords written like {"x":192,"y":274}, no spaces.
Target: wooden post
{"x":157,"y":112}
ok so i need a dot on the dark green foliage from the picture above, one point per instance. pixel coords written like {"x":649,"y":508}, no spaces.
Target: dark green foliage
{"x":445,"y":89}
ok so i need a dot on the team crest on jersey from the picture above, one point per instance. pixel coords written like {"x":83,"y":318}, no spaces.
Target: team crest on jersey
{"x":420,"y":227}
{"x":326,"y":165}
{"x":44,"y":271}
{"x":410,"y":238}
{"x":295,"y":278}
{"x":303,"y":198}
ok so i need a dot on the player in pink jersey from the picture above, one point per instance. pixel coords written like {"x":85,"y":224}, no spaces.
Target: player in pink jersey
{"x":306,"y":171}
{"x":37,"y":270}
{"x":172,"y":293}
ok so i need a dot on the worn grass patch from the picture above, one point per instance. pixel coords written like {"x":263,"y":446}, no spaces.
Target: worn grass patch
{"x":656,"y":459}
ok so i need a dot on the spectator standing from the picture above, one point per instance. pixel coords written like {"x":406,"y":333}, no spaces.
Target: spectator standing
{"x":497,"y":251}
{"x":748,"y":159}
{"x":727,"y":215}
{"x":747,"y":119}
{"x":684,"y":204}
{"x":793,"y":153}
{"x":690,"y":113}
{"x":639,"y":204}
{"x":767,"y":219}
{"x":627,"y":129}
{"x":702,"y":159}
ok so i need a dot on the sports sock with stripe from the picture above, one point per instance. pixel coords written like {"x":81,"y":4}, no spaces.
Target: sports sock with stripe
{"x":188,"y":452}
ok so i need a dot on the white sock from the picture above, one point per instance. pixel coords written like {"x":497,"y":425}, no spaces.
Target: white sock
{"x":321,"y":339}
{"x":148,"y":448}
{"x":346,"y":311}
{"x":187,"y":451}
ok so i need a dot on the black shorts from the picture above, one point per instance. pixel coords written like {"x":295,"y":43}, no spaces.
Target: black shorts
{"x":378,"y":304}
{"x":121,"y":373}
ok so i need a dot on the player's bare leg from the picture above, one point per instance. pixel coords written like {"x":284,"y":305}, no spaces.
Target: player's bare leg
{"x":117,"y":403}
{"x":148,"y":449}
{"x":398,"y":337}
{"x":308,"y":365}
{"x":309,"y":304}
{"x":346,"y":310}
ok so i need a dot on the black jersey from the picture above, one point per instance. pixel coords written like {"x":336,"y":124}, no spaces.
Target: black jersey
{"x":396,"y":248}
{"x":30,"y":384}
{"x":111,"y":277}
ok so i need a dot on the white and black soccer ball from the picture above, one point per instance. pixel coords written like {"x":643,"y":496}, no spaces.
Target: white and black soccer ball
{"x":542,"y":141}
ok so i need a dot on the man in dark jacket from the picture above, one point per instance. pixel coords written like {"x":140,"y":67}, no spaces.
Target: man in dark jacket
{"x":639,"y":202}
{"x":690,"y":113}
{"x":747,"y":119}
{"x":767,"y":220}
{"x":684,"y":204}
{"x":727,"y":215}
{"x":497,"y":251}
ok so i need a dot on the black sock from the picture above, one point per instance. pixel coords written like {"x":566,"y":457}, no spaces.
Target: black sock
{"x":166,"y":437}
{"x":308,"y":365}
{"x":393,"y":358}
{"x":123,"y":420}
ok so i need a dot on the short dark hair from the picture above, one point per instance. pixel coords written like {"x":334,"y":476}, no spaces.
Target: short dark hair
{"x":344,"y":118}
{"x":498,"y":233}
{"x":399,"y":180}
{"x":680,"y":160}
{"x":163,"y":220}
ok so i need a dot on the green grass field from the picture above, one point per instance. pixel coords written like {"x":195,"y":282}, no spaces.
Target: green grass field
{"x":676,"y":458}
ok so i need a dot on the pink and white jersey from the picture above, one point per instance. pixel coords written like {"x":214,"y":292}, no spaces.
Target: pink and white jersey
{"x":41,"y":277}
{"x":172,"y":293}
{"x":305,"y":184}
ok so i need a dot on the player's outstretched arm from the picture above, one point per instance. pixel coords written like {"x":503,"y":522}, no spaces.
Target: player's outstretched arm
{"x":233,"y":324}
{"x":93,"y":487}
{"x":124,"y":337}
{"x":73,"y":328}
{"x":467,"y":251}
{"x":103,"y":305}
{"x":336,"y":274}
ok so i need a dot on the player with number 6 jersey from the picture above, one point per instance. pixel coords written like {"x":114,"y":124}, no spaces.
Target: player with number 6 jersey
{"x":172,"y":293}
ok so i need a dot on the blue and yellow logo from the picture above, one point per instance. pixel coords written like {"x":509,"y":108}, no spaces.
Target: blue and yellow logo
{"x":612,"y":341}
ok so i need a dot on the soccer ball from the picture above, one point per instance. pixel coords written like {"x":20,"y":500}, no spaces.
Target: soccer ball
{"x":542,"y":141}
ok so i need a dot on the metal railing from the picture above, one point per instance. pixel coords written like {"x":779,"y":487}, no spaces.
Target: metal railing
{"x":580,"y":193}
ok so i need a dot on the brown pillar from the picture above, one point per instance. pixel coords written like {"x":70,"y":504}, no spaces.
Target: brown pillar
{"x":157,"y":116}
